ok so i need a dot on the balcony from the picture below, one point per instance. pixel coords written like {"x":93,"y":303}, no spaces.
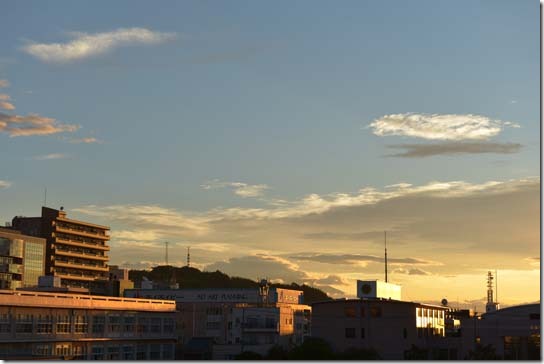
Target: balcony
{"x":74,"y":276}
{"x":81,"y":244}
{"x":65,"y":264}
{"x":81,"y":232}
{"x":260,"y":328}
{"x":91,"y":256}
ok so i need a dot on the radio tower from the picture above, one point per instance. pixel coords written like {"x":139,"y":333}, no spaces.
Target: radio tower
{"x":188,"y":256}
{"x":166,"y":252}
{"x":491,"y":305}
{"x":385,"y":241}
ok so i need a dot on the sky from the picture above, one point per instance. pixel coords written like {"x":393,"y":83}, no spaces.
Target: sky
{"x":282,"y":139}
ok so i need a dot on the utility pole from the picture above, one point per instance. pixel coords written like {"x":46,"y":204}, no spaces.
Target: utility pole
{"x":385,"y":241}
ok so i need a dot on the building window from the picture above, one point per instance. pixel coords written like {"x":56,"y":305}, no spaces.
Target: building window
{"x":128,"y":352}
{"x":24,"y":323}
{"x":114,"y":324}
{"x":169,"y":325}
{"x":80,"y":324}
{"x":349,"y":311}
{"x":167,"y":352}
{"x":362,"y":332}
{"x":63,"y":324}
{"x":62,"y":350}
{"x":376,"y":311}
{"x":154,"y":352}
{"x":350,"y":332}
{"x":97,"y":353}
{"x":42,"y":350}
{"x":156,"y":325}
{"x":143,"y":325}
{"x":99,"y":323}
{"x":141,"y":352}
{"x":129,"y":324}
{"x":113,"y":353}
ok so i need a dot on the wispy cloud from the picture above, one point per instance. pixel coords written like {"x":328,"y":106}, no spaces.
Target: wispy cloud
{"x":86,"y":45}
{"x":439,"y":126}
{"x":4,"y":83}
{"x":88,"y":140}
{"x":355,"y":259}
{"x":4,"y":184}
{"x":32,"y":124}
{"x":51,"y":156}
{"x":240,"y":188}
{"x":453,"y":148}
{"x":5,"y":102}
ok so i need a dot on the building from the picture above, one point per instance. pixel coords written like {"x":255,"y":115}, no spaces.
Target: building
{"x":38,"y":325}
{"x":390,"y":327}
{"x":513,"y":332}
{"x":230,"y":321}
{"x":75,"y":250}
{"x":22,"y":259}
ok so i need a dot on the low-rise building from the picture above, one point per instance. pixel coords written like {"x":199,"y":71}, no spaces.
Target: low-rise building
{"x":390,"y":327}
{"x":39,"y":325}
{"x":235,"y":320}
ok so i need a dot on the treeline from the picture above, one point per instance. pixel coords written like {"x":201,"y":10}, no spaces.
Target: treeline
{"x":311,"y":349}
{"x":188,"y":277}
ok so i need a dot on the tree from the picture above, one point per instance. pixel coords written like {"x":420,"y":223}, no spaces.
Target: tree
{"x":416,"y":353}
{"x":359,"y":354}
{"x":483,"y":352}
{"x":248,"y":355}
{"x":312,"y":349}
{"x":277,"y":352}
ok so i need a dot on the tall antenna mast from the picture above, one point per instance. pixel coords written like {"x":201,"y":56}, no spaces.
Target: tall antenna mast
{"x":166,"y":252}
{"x":188,"y":256}
{"x":45,"y":197}
{"x":385,"y":241}
{"x":496,"y":287}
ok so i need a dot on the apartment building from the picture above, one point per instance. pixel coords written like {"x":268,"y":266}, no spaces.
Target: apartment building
{"x":75,"y":250}
{"x":22,"y":259}
{"x":38,"y":325}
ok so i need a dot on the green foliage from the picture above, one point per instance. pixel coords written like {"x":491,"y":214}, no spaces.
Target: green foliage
{"x":277,"y":352}
{"x":358,"y":354}
{"x":248,"y":355}
{"x":416,"y":353}
{"x":188,"y":277}
{"x":312,"y":349}
{"x":483,"y":352}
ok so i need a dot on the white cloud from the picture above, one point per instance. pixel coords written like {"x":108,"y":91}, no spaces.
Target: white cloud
{"x":32,"y":124}
{"x":88,"y":140}
{"x":4,"y":184}
{"x":439,"y":126}
{"x":4,"y":83}
{"x":240,"y":188}
{"x":87,"y":45}
{"x":50,"y":156}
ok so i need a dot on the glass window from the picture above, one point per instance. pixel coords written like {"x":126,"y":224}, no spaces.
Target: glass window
{"x":350,"y":332}
{"x":349,"y":311}
{"x":376,"y":311}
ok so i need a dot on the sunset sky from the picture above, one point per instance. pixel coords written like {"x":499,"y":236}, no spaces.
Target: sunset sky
{"x":280,"y":139}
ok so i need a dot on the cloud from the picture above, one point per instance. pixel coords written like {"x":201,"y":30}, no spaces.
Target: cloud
{"x":428,"y":150}
{"x":411,"y":271}
{"x":439,"y":126}
{"x":32,"y":124}
{"x":4,"y":83}
{"x":4,"y":102}
{"x":86,"y":45}
{"x":533,"y":261}
{"x":356,"y":259}
{"x":50,"y":156}
{"x":4,"y":184}
{"x":240,"y":188}
{"x":88,"y":140}
{"x":261,"y":266}
{"x":151,"y":217}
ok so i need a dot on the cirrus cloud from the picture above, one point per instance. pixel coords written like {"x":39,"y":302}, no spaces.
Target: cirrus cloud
{"x":453,"y":148}
{"x":439,"y":126}
{"x":86,"y":45}
{"x":4,"y":83}
{"x":4,"y":184}
{"x":240,"y":188}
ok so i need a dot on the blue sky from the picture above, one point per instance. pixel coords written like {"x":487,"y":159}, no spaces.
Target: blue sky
{"x":276,"y":94}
